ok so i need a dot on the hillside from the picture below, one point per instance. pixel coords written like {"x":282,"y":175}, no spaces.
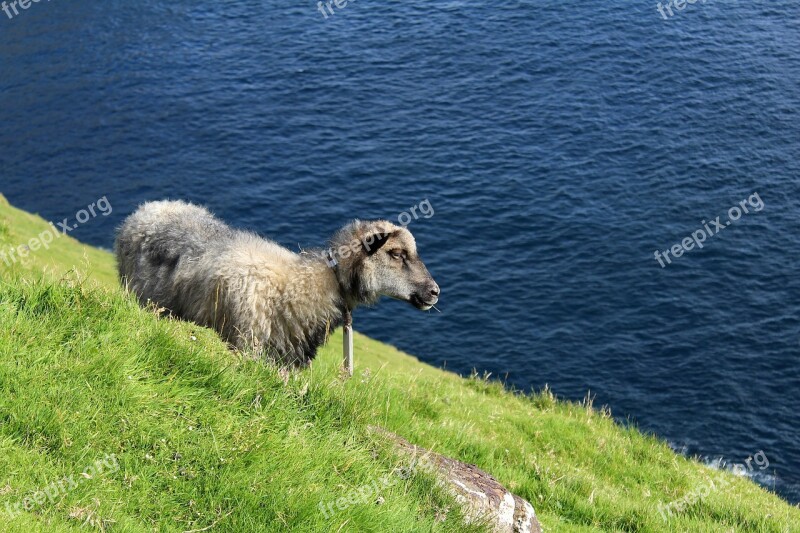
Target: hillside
{"x":191,"y":437}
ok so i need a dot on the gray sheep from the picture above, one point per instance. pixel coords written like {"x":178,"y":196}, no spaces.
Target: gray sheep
{"x":257,"y":294}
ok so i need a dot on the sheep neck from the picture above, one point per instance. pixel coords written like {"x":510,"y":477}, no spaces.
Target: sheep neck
{"x":347,"y":309}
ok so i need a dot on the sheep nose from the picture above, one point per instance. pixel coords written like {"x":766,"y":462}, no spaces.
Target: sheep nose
{"x":435,"y":290}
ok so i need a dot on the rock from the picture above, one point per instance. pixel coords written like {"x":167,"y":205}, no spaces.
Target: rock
{"x":482,"y":496}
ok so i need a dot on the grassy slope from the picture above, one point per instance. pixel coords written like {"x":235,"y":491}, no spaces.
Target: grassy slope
{"x":206,"y":438}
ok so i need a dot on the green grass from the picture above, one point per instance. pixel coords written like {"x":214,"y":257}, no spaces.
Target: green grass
{"x":207,"y":439}
{"x":17,"y":228}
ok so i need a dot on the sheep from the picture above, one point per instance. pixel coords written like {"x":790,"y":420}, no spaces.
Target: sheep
{"x":260,"y":297}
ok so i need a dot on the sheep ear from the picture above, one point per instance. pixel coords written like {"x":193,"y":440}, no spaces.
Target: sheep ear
{"x":373,"y":243}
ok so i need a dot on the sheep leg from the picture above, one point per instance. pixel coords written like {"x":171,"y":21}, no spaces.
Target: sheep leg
{"x":348,"y":343}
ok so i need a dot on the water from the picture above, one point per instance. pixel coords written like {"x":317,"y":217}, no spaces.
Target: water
{"x":559,"y":143}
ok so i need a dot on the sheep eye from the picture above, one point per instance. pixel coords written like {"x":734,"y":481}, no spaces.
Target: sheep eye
{"x":396,"y":254}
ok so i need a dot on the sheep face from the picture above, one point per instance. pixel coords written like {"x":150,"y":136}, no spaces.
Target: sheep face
{"x":387,"y":264}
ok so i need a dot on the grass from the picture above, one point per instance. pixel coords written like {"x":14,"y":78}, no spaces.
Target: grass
{"x":17,"y":228}
{"x":207,"y":440}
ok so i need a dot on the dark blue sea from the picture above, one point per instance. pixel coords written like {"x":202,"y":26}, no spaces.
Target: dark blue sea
{"x":560,"y":144}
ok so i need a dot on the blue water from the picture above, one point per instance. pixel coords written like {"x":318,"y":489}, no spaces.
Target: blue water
{"x":560,"y":144}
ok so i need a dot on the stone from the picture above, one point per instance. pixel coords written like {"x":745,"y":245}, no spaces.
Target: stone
{"x":482,"y":497}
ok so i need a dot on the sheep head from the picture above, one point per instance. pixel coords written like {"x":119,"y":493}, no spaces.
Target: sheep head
{"x":378,"y":258}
